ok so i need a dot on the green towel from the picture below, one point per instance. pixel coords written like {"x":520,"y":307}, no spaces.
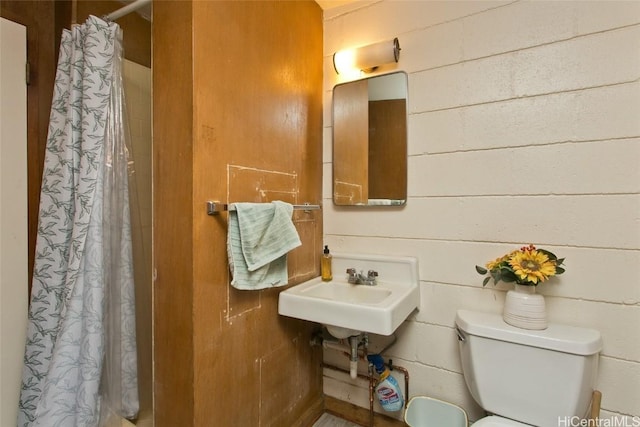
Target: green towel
{"x":259,"y":237}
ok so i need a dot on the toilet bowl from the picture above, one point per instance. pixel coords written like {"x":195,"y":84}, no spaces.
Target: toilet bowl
{"x":527,"y":377}
{"x":494,"y":421}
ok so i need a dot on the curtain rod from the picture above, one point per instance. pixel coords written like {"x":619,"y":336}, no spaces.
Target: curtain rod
{"x":137,"y":4}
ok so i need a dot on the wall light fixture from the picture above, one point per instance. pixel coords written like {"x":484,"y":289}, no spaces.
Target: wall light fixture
{"x":366,"y":58}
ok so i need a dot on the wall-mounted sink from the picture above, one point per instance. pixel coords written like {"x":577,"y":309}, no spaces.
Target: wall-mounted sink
{"x":348,"y":309}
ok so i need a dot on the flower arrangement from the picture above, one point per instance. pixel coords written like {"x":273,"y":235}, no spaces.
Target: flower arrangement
{"x":527,"y":266}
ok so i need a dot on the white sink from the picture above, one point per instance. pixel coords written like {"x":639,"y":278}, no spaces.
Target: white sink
{"x":348,"y":309}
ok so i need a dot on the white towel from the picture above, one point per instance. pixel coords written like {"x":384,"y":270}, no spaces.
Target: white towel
{"x":258,"y":239}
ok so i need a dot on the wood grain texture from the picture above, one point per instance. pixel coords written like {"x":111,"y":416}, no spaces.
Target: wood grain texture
{"x":248,"y":127}
{"x":351,"y":143}
{"x":258,"y":138}
{"x":173,"y":247}
{"x":388,"y":149}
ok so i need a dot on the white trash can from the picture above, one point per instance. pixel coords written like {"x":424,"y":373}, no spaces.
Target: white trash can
{"x":425,"y":411}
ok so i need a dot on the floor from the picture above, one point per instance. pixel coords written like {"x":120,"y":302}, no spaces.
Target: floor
{"x":328,"y":420}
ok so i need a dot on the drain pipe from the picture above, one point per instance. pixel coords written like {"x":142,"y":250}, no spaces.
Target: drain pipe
{"x":336,"y":346}
{"x":352,"y":350}
{"x":346,"y":371}
{"x":372,"y":381}
{"x":353,"y":360}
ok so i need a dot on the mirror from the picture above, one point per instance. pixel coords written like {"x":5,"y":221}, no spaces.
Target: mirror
{"x":370,"y":141}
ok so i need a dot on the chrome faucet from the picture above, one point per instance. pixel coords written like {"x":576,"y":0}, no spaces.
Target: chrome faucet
{"x":356,"y":278}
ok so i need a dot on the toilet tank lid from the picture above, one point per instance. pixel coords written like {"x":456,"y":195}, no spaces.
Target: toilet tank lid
{"x":564,"y":338}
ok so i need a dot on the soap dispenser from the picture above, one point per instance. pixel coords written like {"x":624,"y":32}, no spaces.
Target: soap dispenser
{"x":325,"y":265}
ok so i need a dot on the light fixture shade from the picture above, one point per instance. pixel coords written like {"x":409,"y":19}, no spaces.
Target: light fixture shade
{"x":367,"y":58}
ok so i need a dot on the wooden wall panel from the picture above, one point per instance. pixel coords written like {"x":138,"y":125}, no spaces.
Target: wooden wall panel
{"x":257,"y":80}
{"x":173,"y":215}
{"x":254,"y":110}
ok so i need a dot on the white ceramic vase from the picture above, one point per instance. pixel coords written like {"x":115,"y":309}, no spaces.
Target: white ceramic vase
{"x":524,"y":308}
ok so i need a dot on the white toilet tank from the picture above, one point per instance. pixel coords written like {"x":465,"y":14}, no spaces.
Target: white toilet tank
{"x":533,"y":377}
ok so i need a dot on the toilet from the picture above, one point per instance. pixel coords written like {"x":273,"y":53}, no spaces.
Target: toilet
{"x":527,"y":377}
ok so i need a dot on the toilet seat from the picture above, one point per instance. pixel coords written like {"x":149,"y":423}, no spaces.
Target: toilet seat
{"x":495,"y":421}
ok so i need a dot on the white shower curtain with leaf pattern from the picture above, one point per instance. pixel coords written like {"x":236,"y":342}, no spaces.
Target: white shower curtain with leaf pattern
{"x":80,"y":366}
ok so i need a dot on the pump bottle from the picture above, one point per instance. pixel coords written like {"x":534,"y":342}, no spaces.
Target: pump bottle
{"x":325,"y":265}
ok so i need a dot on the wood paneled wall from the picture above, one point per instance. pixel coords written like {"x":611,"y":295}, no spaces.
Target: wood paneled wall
{"x":237,"y":117}
{"x":173,"y":214}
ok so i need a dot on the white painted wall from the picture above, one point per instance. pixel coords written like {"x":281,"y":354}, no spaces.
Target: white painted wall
{"x":524,"y":127}
{"x":13,"y":215}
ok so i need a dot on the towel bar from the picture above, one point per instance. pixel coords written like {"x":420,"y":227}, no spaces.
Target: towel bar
{"x":214,"y":208}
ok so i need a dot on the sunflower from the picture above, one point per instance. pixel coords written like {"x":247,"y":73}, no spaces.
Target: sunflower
{"x":496,"y":262}
{"x":532,"y":266}
{"x":491,"y":265}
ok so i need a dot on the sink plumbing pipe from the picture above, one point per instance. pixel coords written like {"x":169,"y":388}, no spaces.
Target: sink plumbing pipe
{"x":368,"y":377}
{"x":318,"y":340}
{"x":351,"y":350}
{"x":353,"y":362}
{"x":372,"y":387}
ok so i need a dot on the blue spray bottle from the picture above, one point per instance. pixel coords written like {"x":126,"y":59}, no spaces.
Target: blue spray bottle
{"x":387,"y":389}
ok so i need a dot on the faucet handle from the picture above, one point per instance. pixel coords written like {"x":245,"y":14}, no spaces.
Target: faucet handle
{"x":371,"y":274}
{"x":353,"y":276}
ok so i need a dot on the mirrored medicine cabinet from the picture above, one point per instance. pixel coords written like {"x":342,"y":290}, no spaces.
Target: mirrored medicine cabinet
{"x":370,"y":141}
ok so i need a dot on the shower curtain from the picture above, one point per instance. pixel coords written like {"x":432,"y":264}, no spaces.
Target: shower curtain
{"x":80,"y":366}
